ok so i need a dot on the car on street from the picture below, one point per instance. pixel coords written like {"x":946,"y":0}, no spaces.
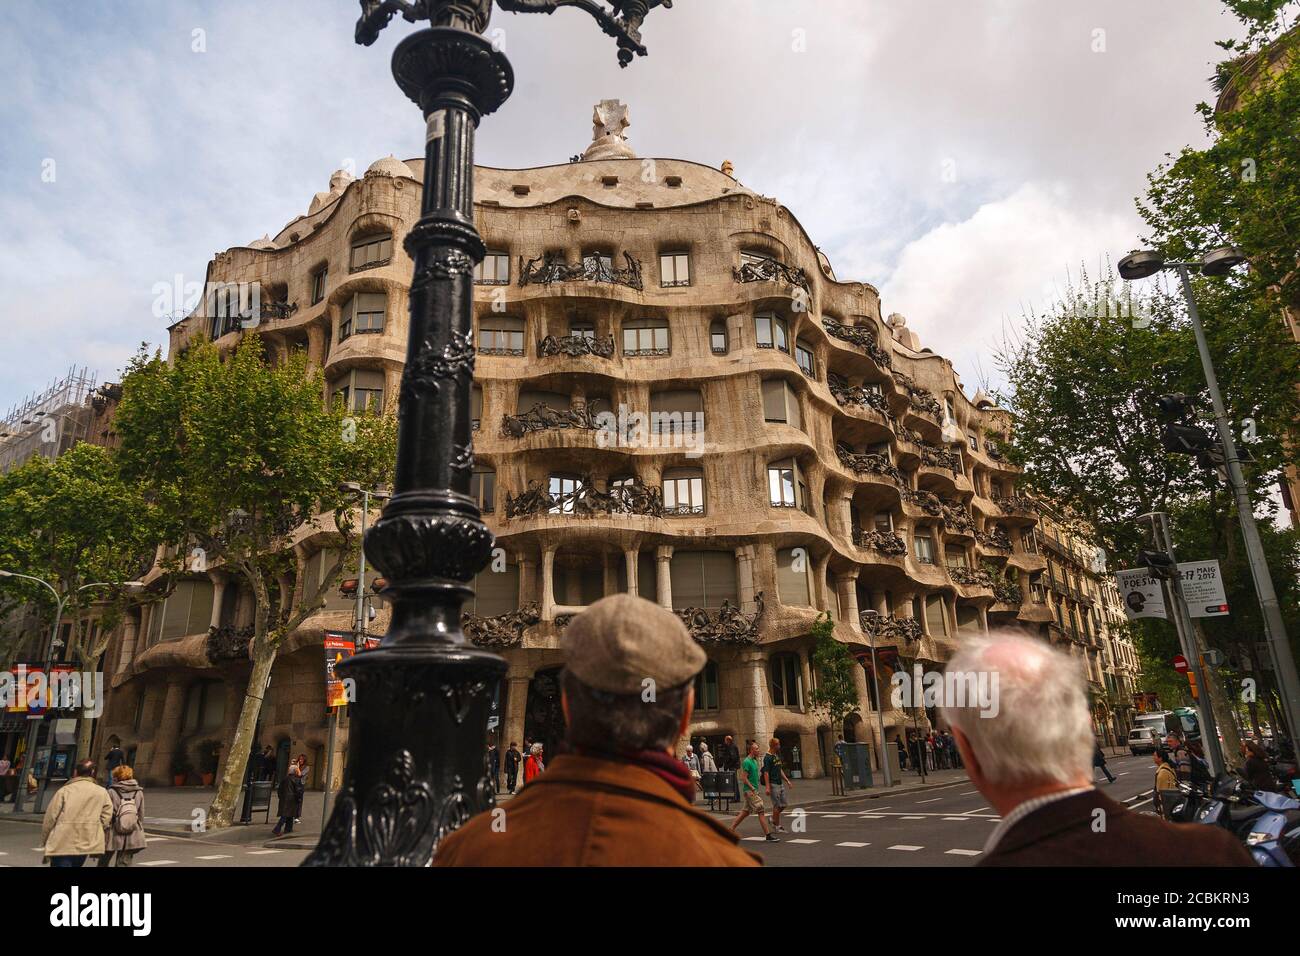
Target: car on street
{"x":1142,"y":740}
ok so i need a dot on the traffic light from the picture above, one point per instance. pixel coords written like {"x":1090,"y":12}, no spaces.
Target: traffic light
{"x":1158,"y":563}
{"x":1181,"y":436}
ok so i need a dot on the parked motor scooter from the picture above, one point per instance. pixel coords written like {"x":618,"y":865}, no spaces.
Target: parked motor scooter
{"x":1267,"y":823}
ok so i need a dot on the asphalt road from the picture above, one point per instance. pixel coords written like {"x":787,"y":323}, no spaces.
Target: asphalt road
{"x":947,"y":826}
{"x":20,"y":846}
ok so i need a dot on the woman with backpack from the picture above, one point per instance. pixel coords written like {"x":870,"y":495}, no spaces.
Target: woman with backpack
{"x":124,"y":835}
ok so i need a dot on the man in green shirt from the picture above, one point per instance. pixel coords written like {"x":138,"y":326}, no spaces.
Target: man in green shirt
{"x":748,"y":777}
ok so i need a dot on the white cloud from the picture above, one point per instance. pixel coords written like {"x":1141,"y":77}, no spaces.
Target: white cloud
{"x":960,"y":282}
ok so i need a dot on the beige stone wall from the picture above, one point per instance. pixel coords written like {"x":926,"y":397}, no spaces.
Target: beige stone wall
{"x":626,"y":206}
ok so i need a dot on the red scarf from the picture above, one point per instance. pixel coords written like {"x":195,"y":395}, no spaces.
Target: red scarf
{"x":663,"y":765}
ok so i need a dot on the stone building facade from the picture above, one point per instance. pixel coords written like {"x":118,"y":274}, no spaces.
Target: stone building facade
{"x":675,"y":397}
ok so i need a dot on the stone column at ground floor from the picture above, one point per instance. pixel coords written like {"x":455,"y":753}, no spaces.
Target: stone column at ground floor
{"x":516,"y":687}
{"x":167,"y":733}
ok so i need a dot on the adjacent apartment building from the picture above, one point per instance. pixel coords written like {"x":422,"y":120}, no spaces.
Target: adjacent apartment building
{"x":674,"y":397}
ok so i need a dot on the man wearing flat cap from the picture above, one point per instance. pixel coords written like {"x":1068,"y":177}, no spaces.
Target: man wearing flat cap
{"x":621,"y":797}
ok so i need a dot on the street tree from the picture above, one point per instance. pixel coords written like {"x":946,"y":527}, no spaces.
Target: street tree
{"x":74,"y":521}
{"x":240,"y":452}
{"x":836,"y":694}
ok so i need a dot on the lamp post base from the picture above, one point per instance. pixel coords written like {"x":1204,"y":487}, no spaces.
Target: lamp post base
{"x":414,"y":747}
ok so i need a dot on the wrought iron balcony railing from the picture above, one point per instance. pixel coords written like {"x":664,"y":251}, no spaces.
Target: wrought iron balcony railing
{"x":972,"y":577}
{"x":585,"y":501}
{"x":921,"y":399}
{"x":889,"y":627}
{"x":995,"y":539}
{"x":1017,"y":505}
{"x":542,"y":417}
{"x":864,"y":338}
{"x":1007,"y":591}
{"x":868,"y":464}
{"x":575,"y":345}
{"x":957,"y":518}
{"x":501,"y":630}
{"x":727,"y":625}
{"x":936,"y":457}
{"x":848,"y":395}
{"x":886,"y":542}
{"x":771,"y":270}
{"x":548,"y":268}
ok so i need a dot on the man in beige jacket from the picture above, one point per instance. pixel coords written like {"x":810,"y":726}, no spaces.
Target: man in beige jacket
{"x":74,"y":824}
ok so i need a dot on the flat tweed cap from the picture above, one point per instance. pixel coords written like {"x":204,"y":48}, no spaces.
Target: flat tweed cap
{"x":621,"y":640}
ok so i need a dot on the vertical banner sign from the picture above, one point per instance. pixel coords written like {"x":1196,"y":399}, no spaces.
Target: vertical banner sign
{"x":1203,"y":588}
{"x":1141,"y":593}
{"x":338,"y":648}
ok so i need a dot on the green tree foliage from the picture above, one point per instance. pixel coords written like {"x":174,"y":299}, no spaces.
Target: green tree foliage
{"x":74,"y":521}
{"x":836,"y":694}
{"x":238,"y":454}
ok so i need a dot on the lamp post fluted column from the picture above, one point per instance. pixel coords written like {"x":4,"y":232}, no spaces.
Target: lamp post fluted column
{"x":416,"y":768}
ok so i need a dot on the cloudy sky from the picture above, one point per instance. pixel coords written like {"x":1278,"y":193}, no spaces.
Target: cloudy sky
{"x":965,"y":156}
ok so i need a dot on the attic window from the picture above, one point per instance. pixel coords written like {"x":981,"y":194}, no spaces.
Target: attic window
{"x":645,"y":205}
{"x":522,"y":189}
{"x":490,"y":202}
{"x":609,"y":181}
{"x":673,"y":181}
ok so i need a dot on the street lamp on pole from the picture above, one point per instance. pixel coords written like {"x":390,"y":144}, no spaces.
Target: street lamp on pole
{"x":1219,"y":262}
{"x":416,"y":768}
{"x":47,"y":654}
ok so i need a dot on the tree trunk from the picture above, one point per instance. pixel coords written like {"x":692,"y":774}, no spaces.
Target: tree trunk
{"x":1222,"y":709}
{"x":86,"y":725}
{"x":222,"y":811}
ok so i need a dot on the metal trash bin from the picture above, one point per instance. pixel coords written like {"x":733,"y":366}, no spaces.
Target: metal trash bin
{"x":857,"y":767}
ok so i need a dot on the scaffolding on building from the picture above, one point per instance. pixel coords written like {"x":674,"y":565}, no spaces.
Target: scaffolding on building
{"x":49,"y":422}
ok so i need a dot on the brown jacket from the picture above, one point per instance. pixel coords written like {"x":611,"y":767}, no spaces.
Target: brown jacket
{"x":584,"y":811}
{"x":1062,"y":834}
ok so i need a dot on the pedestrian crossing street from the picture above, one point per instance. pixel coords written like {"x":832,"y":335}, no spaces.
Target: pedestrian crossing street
{"x":161,"y":851}
{"x":884,"y":814}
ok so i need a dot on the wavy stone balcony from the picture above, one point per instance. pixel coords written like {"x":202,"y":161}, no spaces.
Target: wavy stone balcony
{"x":630,"y":499}
{"x":859,"y":336}
{"x":575,"y":346}
{"x":549,"y":268}
{"x":1017,"y":506}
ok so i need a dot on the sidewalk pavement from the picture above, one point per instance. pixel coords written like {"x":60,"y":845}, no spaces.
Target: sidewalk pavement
{"x":175,"y":811}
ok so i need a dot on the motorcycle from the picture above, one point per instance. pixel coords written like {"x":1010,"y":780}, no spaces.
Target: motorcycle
{"x":1267,"y":823}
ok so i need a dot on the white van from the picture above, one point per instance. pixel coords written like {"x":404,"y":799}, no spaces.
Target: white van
{"x":1142,"y":740}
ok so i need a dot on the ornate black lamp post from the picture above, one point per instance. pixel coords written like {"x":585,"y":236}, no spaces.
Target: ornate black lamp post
{"x":416,"y":768}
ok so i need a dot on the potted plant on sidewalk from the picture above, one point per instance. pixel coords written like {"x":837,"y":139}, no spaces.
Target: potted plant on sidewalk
{"x":180,"y":770}
{"x":209,"y":757}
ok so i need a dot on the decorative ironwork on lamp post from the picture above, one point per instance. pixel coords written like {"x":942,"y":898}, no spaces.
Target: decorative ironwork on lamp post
{"x":416,"y":767}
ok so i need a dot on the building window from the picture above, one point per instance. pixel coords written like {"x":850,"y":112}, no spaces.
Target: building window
{"x":973,"y":441}
{"x":936,"y":615}
{"x":205,"y":706}
{"x":955,"y":557}
{"x":883,"y":521}
{"x":674,"y":269}
{"x":501,"y":335}
{"x":700,"y":579}
{"x":780,"y":403}
{"x":772,"y":332}
{"x":646,"y":337}
{"x":793,"y":576}
{"x":597,"y":263}
{"x":949,"y":411}
{"x":475,"y":406}
{"x":494,"y":269}
{"x":318,"y":280}
{"x":684,"y":491}
{"x":787,"y":683}
{"x":706,"y":688}
{"x":1029,"y":540}
{"x":186,"y":611}
{"x":582,"y":329}
{"x":363,"y":314}
{"x":718,"y":337}
{"x":969,"y":620}
{"x":804,"y":356}
{"x":564,"y":489}
{"x":782,"y":484}
{"x":677,"y":413}
{"x":923,"y":547}
{"x":482,"y":488}
{"x":360,"y":390}
{"x":373,"y":250}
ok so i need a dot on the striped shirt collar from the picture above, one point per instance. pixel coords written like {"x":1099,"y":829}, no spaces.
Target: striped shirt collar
{"x":1023,"y":810}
